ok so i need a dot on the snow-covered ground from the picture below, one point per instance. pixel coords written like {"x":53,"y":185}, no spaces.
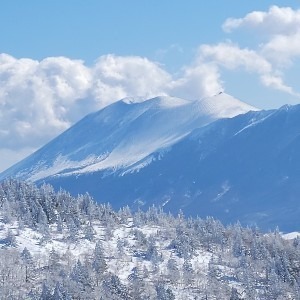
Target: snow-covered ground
{"x":40,"y":248}
{"x":55,"y":244}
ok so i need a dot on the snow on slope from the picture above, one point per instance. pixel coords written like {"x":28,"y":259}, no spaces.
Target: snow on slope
{"x":123,"y":134}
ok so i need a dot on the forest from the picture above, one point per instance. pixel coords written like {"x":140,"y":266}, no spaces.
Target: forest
{"x":55,"y":246}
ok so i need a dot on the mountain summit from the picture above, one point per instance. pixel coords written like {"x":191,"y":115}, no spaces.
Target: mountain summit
{"x":216,"y":156}
{"x":124,"y":134}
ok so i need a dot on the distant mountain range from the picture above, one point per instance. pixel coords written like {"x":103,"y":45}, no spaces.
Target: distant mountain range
{"x":216,"y":156}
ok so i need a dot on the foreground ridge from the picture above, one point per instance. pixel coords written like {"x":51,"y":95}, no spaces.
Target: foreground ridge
{"x":55,"y":246}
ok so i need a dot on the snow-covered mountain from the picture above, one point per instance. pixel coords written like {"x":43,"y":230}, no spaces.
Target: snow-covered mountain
{"x":244,"y":168}
{"x":181,"y":155}
{"x":124,"y":134}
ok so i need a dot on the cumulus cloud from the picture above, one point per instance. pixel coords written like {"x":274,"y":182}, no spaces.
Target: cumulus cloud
{"x":277,"y":83}
{"x":115,"y":77}
{"x":282,"y":49}
{"x":231,"y":56}
{"x":280,"y":29}
{"x":277,"y":20}
{"x":40,"y":99}
{"x":35,"y":98}
{"x":198,"y":80}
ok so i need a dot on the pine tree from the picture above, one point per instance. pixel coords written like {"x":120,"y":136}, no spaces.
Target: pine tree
{"x":137,"y":283}
{"x":120,"y":247}
{"x":173,"y":270}
{"x":54,"y":260}
{"x":234,"y":294}
{"x":98,"y":262}
{"x":46,"y":294}
{"x":81,"y":277}
{"x":187,"y":271}
{"x":89,"y":232}
{"x":59,"y":224}
{"x":59,"y":293}
{"x":164,"y":293}
{"x":10,"y":239}
{"x":80,"y":274}
{"x":27,"y":260}
{"x":114,"y":289}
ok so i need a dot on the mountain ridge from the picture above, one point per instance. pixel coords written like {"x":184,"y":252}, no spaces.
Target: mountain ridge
{"x":242,"y":168}
{"x":124,"y":133}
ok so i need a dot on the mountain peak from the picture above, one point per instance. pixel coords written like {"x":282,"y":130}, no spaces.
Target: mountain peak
{"x":223,"y":105}
{"x":159,"y":101}
{"x":123,"y":134}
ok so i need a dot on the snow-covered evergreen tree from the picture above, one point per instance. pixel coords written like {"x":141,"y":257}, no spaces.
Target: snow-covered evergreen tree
{"x":164,"y":293}
{"x":91,"y":251}
{"x":113,"y":288}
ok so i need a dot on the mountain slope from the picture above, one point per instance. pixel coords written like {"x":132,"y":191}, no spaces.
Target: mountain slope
{"x":245,"y":168}
{"x":122,"y":134}
{"x":169,"y":152}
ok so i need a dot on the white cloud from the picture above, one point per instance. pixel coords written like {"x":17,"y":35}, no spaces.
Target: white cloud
{"x":277,"y":20}
{"x":36,"y":98}
{"x":115,"y":77}
{"x":282,"y":49}
{"x":280,"y":29}
{"x":40,"y":99}
{"x":198,"y":80}
{"x":232,"y":57}
{"x":277,"y":83}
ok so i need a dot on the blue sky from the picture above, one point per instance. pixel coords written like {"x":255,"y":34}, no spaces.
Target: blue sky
{"x":85,"y":30}
{"x":63,"y":59}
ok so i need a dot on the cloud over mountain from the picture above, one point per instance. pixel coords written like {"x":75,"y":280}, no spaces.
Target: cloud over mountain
{"x":277,"y":35}
{"x":40,"y":99}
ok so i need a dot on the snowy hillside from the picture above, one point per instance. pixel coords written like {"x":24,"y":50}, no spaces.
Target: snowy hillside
{"x":171,"y":153}
{"x":243,"y":168}
{"x":123,"y":134}
{"x":54,"y":246}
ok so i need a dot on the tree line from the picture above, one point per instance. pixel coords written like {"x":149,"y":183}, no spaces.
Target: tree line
{"x":148,"y":254}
